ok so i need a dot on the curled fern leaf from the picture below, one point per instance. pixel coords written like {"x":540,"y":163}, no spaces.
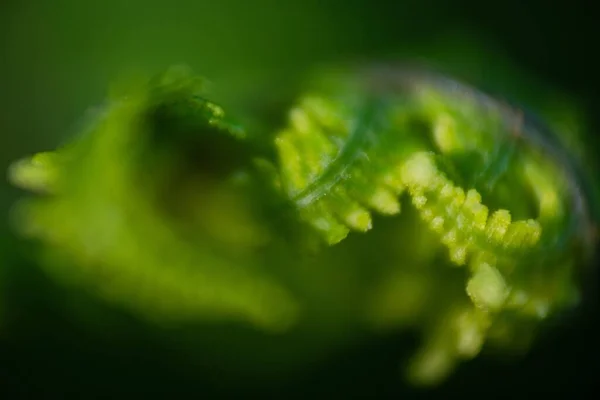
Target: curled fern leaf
{"x":486,"y":181}
{"x":439,"y":209}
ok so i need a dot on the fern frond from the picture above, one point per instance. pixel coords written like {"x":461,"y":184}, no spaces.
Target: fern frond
{"x":108,"y":216}
{"x":442,"y":209}
{"x":474,"y":171}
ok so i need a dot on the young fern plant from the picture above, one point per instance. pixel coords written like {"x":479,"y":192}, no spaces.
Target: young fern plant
{"x":501,"y":198}
{"x":451,"y":212}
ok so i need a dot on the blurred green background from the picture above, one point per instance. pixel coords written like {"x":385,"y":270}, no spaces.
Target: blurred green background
{"x":57,"y":59}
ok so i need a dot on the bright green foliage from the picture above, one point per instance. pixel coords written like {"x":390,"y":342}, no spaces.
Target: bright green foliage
{"x":436,"y":208}
{"x":112,"y":215}
{"x":476,"y":177}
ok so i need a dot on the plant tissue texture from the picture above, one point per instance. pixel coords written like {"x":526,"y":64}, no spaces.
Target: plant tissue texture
{"x":390,"y":198}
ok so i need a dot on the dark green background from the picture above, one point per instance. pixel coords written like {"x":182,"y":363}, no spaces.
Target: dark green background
{"x":57,"y":59}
